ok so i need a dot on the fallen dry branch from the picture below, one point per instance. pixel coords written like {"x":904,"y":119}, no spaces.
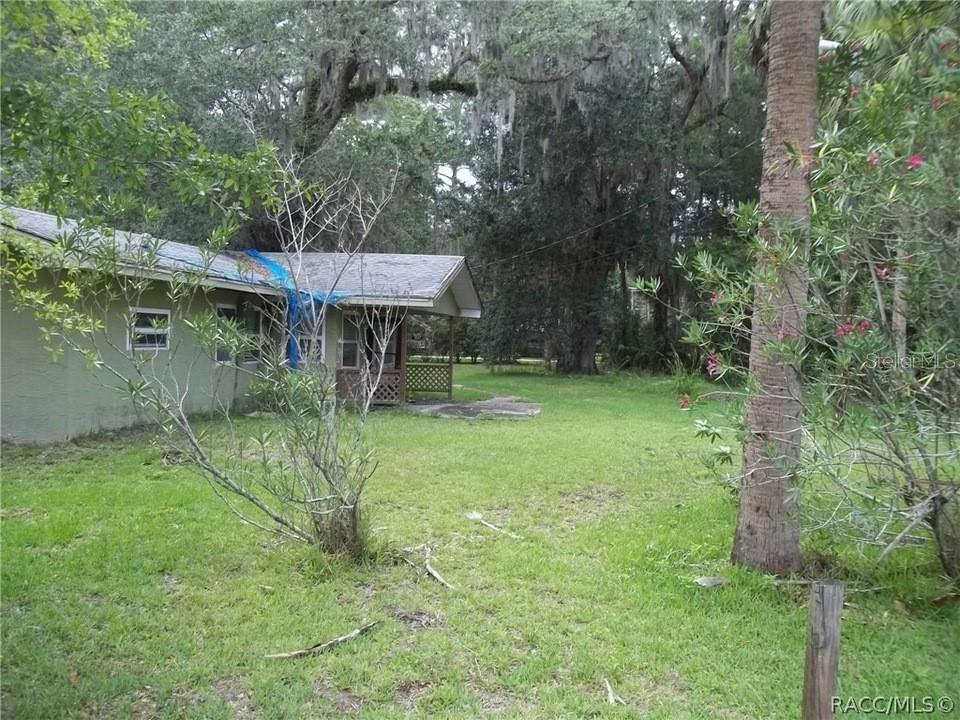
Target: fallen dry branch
{"x":433,"y":573}
{"x":427,"y":548}
{"x":612,"y":697}
{"x":477,"y":517}
{"x":324,"y":646}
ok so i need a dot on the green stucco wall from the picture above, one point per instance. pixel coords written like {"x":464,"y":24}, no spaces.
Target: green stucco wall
{"x":46,"y":400}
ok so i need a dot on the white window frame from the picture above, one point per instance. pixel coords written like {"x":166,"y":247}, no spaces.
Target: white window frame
{"x":248,"y":359}
{"x":133,"y":329}
{"x":321,"y":336}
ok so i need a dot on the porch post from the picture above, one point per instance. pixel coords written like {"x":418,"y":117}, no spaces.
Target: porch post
{"x":450,"y":361}
{"x":402,"y":342}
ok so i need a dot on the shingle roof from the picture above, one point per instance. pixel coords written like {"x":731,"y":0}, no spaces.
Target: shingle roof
{"x":372,"y":275}
{"x":170,"y":256}
{"x":415,"y":280}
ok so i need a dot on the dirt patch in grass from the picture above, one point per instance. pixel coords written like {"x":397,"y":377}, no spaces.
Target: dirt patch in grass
{"x":491,"y":701}
{"x":409,"y":692}
{"x":674,"y":686}
{"x":235,"y":694}
{"x":10,"y":513}
{"x":368,"y":590}
{"x":418,"y":619}
{"x":343,"y":700}
{"x":77,"y":448}
{"x":171,"y":584}
{"x":589,"y":504}
{"x":13,"y":610}
{"x":501,"y":515}
{"x":143,"y":705}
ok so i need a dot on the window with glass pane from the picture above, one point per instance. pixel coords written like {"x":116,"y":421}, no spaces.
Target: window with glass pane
{"x":350,"y":343}
{"x":149,"y":329}
{"x":390,"y":356}
{"x":253,"y":324}
{"x":310,"y":342}
{"x":380,"y":327}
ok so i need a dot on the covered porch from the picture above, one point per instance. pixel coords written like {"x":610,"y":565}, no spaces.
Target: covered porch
{"x":368,"y":324}
{"x":401,"y":379}
{"x":382,"y":290}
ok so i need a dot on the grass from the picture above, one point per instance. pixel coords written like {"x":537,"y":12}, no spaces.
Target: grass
{"x":130,"y":591}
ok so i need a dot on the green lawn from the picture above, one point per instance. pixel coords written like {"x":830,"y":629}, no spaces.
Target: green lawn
{"x":130,"y":591}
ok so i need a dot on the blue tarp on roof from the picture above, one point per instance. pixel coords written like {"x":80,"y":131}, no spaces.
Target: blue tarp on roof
{"x":298,"y":302}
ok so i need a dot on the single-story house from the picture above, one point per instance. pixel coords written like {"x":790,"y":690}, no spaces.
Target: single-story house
{"x":47,"y":399}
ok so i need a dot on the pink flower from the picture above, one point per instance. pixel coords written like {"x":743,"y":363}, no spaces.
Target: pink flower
{"x":843,"y":330}
{"x":864,"y":325}
{"x":713,"y":365}
{"x":915,"y":161}
{"x":854,"y":91}
{"x":684,"y":401}
{"x":883,"y":273}
{"x":873,"y":159}
{"x":715,"y":298}
{"x":784,"y":335}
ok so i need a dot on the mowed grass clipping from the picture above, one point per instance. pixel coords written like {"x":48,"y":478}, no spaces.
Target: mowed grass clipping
{"x":130,"y":591}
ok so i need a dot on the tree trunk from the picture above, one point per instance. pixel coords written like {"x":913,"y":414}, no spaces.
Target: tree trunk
{"x":945,"y":522}
{"x":584,"y":296}
{"x":325,"y":99}
{"x":898,"y":316}
{"x":340,"y":531}
{"x":768,"y":534}
{"x":664,"y":318}
{"x":580,"y":353}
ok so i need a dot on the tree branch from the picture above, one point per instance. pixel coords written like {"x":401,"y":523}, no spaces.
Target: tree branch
{"x":588,"y":60}
{"x":694,"y":74}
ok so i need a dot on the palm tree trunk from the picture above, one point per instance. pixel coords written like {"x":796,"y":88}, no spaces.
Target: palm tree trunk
{"x":768,"y":534}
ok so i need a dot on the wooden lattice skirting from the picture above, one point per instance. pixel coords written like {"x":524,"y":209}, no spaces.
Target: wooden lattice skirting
{"x":429,"y":377}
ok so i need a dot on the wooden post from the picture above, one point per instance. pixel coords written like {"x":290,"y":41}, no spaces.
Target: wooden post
{"x":402,"y":348}
{"x":823,"y":650}
{"x":450,"y":360}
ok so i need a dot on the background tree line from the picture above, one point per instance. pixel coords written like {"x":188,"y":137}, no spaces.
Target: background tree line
{"x":573,"y":146}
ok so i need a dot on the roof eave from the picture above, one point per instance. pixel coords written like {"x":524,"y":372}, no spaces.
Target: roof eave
{"x":132,"y":270}
{"x":461,"y":265}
